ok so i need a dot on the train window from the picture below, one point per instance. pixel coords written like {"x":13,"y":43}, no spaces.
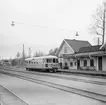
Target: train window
{"x":85,"y":62}
{"x":46,"y":65}
{"x":50,"y":60}
{"x":47,"y":60}
{"x":56,"y":60}
{"x":53,"y":60}
{"x":29,"y":62}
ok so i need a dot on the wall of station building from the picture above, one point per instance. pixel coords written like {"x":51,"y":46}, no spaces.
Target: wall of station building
{"x":88,"y":62}
{"x":104,"y":63}
{"x":72,"y":62}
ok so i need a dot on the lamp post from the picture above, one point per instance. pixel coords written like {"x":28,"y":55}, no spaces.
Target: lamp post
{"x":76,"y":35}
{"x":12,"y":24}
{"x":23,"y":53}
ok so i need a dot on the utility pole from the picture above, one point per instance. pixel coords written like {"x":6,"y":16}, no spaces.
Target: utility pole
{"x":29,"y":52}
{"x":23,"y":56}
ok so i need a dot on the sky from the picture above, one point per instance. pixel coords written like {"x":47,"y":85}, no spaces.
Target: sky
{"x":43,"y":24}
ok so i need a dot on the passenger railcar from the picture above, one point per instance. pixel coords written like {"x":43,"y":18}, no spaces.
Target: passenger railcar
{"x":49,"y":63}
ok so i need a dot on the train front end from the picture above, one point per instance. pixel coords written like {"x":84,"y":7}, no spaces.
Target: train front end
{"x":52,"y":64}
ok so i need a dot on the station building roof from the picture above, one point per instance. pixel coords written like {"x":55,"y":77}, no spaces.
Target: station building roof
{"x":77,"y":44}
{"x":90,"y":49}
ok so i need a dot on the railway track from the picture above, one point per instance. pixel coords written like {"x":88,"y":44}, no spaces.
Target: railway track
{"x":68,"y":78}
{"x":62,"y":77}
{"x":96,"y":96}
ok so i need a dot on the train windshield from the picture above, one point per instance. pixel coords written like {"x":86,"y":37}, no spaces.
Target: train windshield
{"x":49,"y":60}
{"x":52,"y":60}
{"x":55,"y":60}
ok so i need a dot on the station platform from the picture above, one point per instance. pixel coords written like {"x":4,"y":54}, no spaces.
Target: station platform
{"x":8,"y":98}
{"x":85,"y":72}
{"x":72,"y":71}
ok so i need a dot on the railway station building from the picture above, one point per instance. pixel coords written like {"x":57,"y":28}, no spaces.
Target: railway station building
{"x":78,"y":54}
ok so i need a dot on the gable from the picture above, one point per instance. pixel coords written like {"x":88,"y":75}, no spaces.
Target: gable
{"x":72,"y":46}
{"x":77,"y":44}
{"x":65,"y":49}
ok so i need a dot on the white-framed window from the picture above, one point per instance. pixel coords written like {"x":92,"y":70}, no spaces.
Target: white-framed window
{"x":85,"y":62}
{"x":65,"y":50}
{"x":71,"y":64}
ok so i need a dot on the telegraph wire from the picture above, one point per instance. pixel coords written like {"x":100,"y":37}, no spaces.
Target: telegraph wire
{"x":39,"y":26}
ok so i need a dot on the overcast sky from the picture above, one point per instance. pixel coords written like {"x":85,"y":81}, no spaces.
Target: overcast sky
{"x":56,"y":20}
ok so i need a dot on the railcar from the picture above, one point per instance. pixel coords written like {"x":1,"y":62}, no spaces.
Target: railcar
{"x":45,"y":63}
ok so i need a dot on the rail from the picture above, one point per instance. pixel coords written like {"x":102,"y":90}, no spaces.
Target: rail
{"x":96,"y":96}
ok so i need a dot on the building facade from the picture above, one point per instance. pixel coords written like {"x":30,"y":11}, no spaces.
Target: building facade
{"x":76,"y":54}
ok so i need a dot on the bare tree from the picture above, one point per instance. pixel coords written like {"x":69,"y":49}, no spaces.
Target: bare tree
{"x":38,"y":54}
{"x":53,"y":51}
{"x":98,"y":25}
{"x":18,"y":55}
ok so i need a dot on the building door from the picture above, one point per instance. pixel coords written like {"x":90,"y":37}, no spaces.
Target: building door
{"x":60,"y":65}
{"x":78,"y":64}
{"x":100,"y":63}
{"x":65,"y":65}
